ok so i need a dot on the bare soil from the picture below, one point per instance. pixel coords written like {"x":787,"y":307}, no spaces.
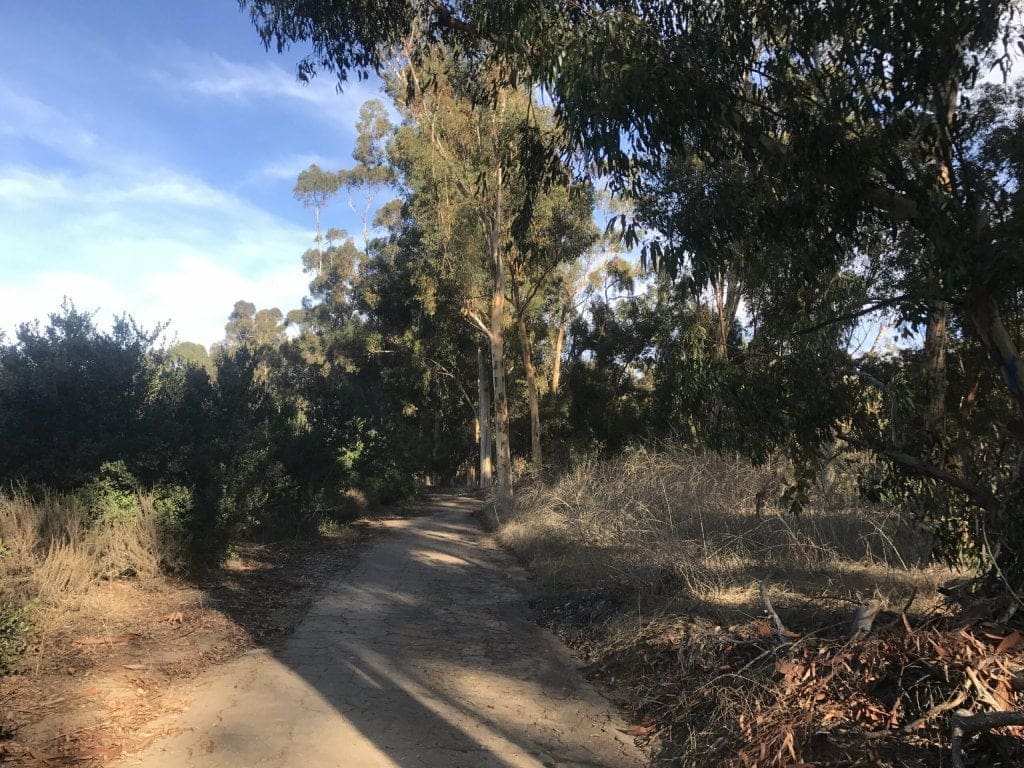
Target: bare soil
{"x":98,"y":675}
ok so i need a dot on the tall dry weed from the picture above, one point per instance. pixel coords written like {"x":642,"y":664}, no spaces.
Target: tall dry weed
{"x":702,"y":526}
{"x":53,"y":550}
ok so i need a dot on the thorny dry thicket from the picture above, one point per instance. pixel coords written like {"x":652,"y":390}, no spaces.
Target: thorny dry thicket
{"x":652,"y":565}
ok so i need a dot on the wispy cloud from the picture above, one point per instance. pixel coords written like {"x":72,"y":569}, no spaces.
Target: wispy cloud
{"x":20,"y":187}
{"x":118,"y":226}
{"x":288,"y":168}
{"x":174,"y":250}
{"x":24,"y":117}
{"x":214,"y":76}
{"x":217,"y":76}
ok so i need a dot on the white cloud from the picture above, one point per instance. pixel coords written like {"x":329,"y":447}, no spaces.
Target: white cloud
{"x":188,"y":292}
{"x":20,"y":187}
{"x":218,"y":76}
{"x":164,"y":247}
{"x":214,"y":76}
{"x":24,"y":117}
{"x":287,"y":168}
{"x":37,"y":295}
{"x":117,"y":230}
{"x":206,"y":283}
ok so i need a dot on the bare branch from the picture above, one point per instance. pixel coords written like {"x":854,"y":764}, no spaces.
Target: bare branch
{"x":865,"y":310}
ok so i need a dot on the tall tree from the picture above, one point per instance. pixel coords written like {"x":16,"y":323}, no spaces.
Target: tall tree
{"x":314,"y":188}
{"x":371,"y":172}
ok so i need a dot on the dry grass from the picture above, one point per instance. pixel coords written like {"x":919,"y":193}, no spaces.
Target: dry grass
{"x":649,"y":564}
{"x":682,"y":525}
{"x":53,"y":552}
{"x":107,"y":662}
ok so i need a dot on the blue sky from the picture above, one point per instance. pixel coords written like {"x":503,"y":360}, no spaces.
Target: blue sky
{"x":147,"y":156}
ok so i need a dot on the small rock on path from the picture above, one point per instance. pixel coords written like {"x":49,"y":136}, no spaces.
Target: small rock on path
{"x":423,"y":655}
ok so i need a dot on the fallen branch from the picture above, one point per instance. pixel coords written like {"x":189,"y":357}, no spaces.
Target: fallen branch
{"x":965,"y":723}
{"x":780,"y":628}
{"x":938,"y":709}
{"x":984,"y":693}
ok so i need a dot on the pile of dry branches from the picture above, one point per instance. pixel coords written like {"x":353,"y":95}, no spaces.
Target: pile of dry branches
{"x":897,"y":695}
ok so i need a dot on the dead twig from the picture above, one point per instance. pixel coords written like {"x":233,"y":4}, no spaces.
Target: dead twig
{"x":780,"y":628}
{"x":938,"y":709}
{"x":984,"y":693}
{"x":965,"y":723}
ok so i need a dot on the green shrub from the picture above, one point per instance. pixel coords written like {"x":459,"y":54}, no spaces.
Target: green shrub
{"x":388,"y":485}
{"x":113,"y":496}
{"x":13,"y":627}
{"x":173,"y":505}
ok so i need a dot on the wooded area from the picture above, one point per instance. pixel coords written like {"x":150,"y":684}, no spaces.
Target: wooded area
{"x":788,"y":235}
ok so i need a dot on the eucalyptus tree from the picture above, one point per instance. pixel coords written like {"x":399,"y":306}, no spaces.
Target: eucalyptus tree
{"x":187,"y":354}
{"x":314,"y":188}
{"x":857,"y":123}
{"x":420,"y":342}
{"x":456,"y":159}
{"x":250,"y":327}
{"x":559,"y":232}
{"x":371,"y":174}
{"x":475,"y":193}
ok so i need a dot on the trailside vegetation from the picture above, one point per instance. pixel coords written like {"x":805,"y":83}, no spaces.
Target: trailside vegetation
{"x":779,"y":241}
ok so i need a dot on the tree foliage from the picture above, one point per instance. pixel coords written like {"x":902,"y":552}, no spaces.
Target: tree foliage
{"x":823,"y":167}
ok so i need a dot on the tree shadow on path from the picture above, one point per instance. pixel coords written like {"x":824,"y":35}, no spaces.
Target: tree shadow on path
{"x":422,"y":654}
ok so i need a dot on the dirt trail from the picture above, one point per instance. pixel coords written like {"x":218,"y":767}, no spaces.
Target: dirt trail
{"x":422,"y":655}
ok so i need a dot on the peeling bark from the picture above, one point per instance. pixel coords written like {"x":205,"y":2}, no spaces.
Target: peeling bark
{"x":556,"y":365}
{"x":496,"y":334}
{"x":992,"y":331}
{"x":483,"y":419}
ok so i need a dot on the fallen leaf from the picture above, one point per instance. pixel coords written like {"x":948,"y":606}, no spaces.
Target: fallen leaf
{"x":1009,"y":643}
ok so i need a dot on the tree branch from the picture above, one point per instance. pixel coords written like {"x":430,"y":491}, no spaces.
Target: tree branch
{"x":866,"y":310}
{"x":979,"y":496}
{"x":442,"y":370}
{"x":476,"y":320}
{"x":893,"y":203}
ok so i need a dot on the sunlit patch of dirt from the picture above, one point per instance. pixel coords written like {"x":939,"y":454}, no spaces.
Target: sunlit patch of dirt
{"x":98,"y":675}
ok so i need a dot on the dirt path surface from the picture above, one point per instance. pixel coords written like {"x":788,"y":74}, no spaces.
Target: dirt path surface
{"x":423,"y":655}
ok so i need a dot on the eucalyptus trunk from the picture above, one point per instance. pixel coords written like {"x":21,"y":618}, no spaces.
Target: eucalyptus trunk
{"x":556,"y":365}
{"x":1006,"y":517}
{"x":997,"y":340}
{"x":496,"y":336}
{"x":935,"y":372}
{"x":533,"y":394}
{"x":483,"y":420}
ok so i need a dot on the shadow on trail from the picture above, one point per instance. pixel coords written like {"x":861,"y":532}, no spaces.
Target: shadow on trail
{"x":422,"y":654}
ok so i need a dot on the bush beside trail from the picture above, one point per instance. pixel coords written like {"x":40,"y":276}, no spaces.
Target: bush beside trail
{"x":654,"y":565}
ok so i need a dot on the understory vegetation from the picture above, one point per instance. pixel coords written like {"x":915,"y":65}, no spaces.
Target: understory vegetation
{"x":722,"y":302}
{"x":55,"y":548}
{"x":661,"y":567}
{"x":705,"y":529}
